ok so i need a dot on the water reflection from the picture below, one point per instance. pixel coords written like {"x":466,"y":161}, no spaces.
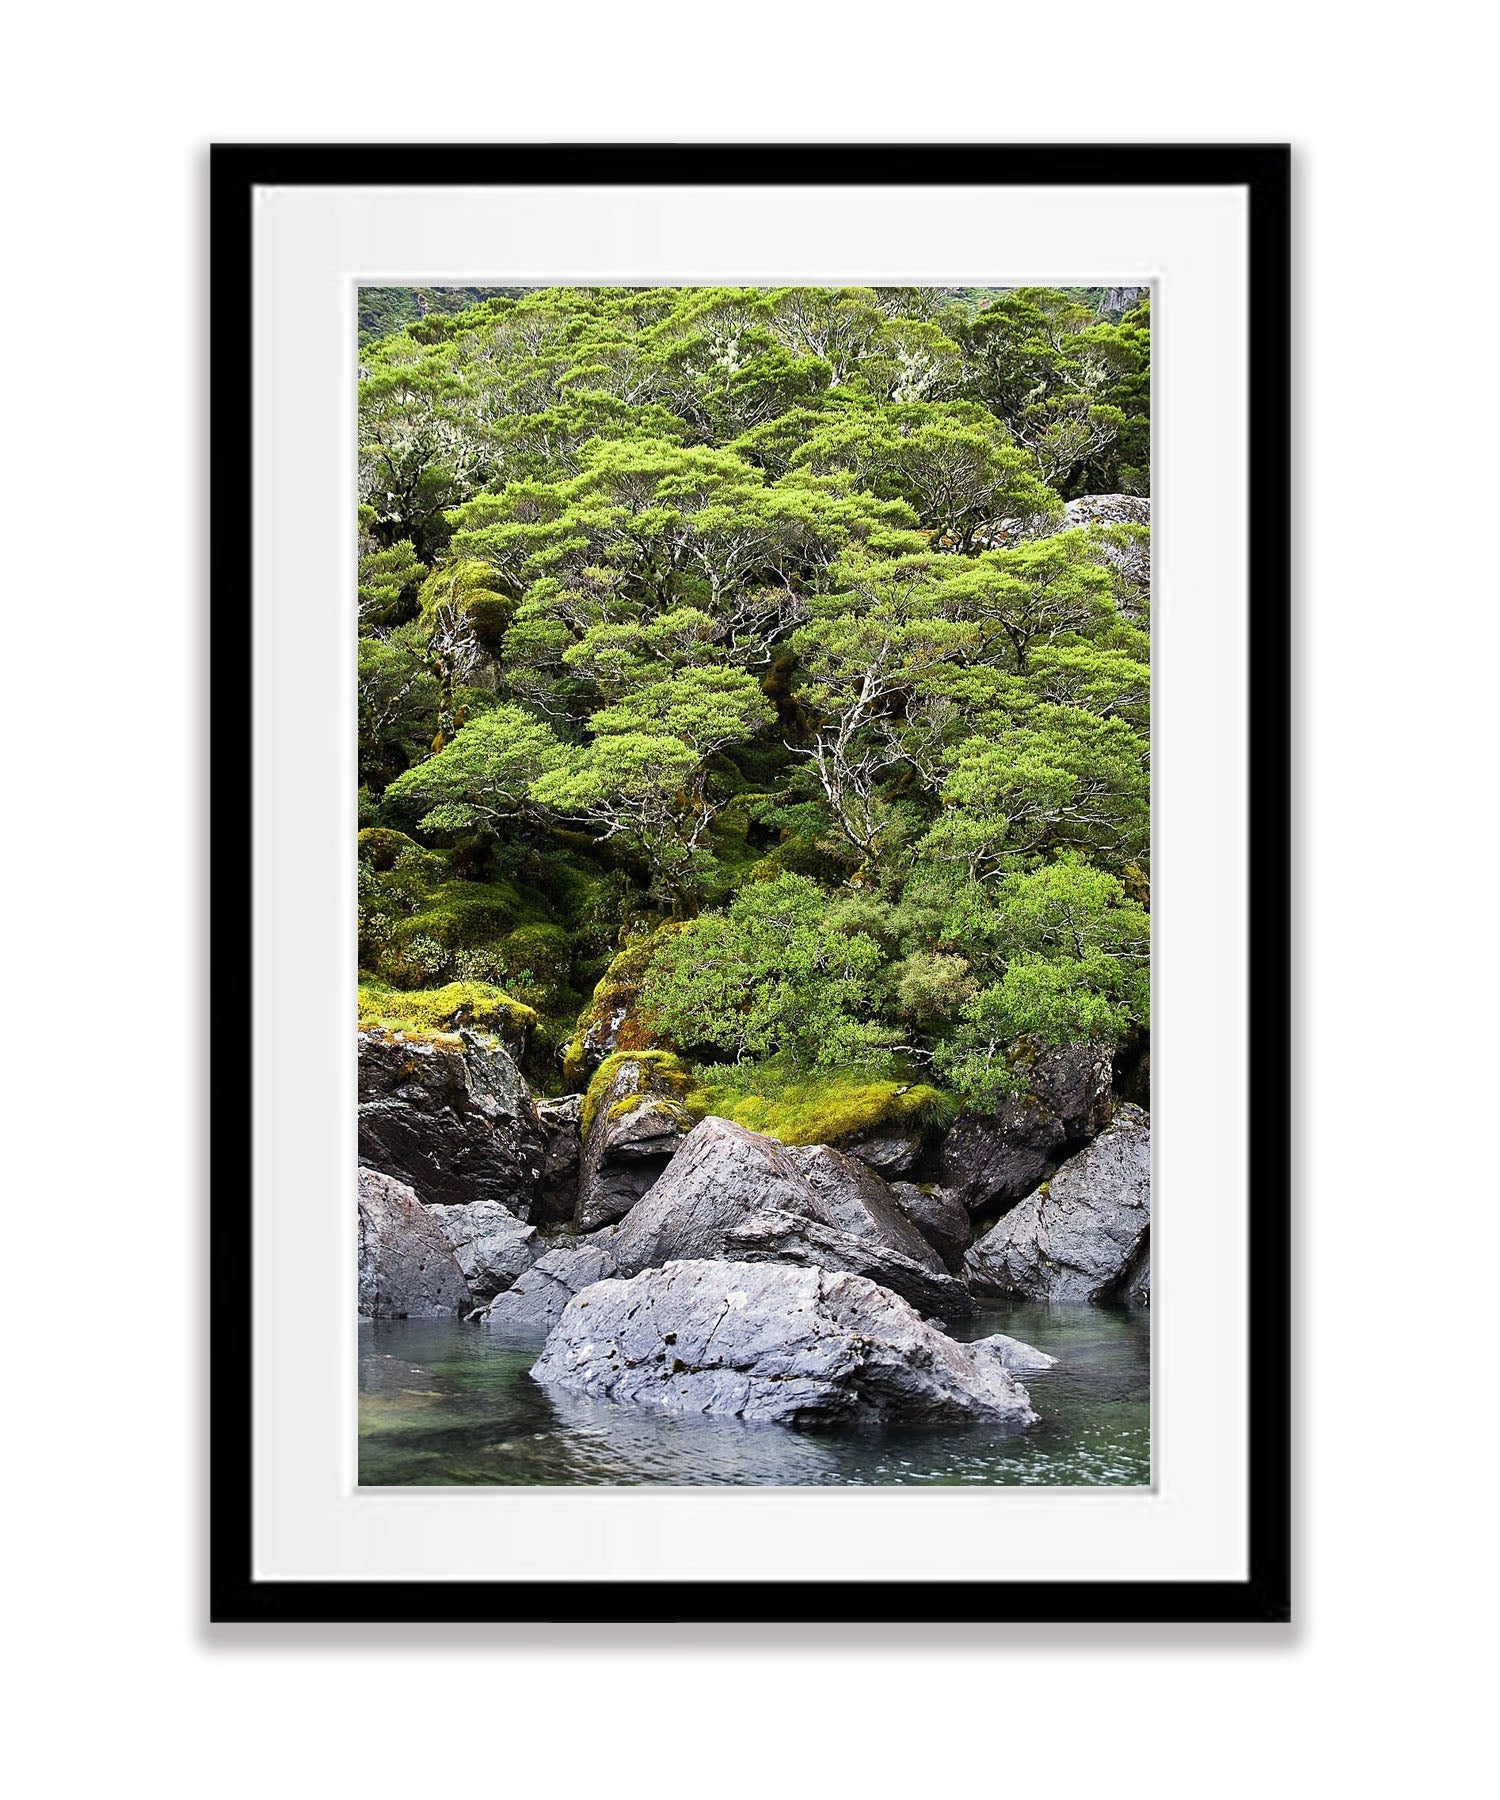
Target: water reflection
{"x":454,"y":1405}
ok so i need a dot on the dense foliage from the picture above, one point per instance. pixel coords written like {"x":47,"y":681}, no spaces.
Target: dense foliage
{"x":738,"y":629}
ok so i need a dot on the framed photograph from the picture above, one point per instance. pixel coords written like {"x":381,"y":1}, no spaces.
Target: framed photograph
{"x":750,"y":769}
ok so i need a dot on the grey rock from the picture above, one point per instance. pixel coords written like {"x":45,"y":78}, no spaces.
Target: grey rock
{"x":451,"y":1116}
{"x":784,"y":1238}
{"x":557,"y":1191}
{"x":940,"y":1216}
{"x":601,"y":1037}
{"x":1106,"y":509}
{"x":992,"y":1158}
{"x":535,"y":1301}
{"x":732,"y":1192}
{"x":637,"y":1125}
{"x":772,"y":1344}
{"x":406,"y":1268}
{"x":1082,"y":1235}
{"x":889,"y":1153}
{"x":1135,"y":1290}
{"x":1019,"y":1358}
{"x":490,"y":1244}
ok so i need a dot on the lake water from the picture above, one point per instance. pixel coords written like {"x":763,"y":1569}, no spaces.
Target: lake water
{"x":446,"y":1404}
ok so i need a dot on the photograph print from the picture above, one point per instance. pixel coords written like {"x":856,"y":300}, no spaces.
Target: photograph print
{"x":754,"y":886}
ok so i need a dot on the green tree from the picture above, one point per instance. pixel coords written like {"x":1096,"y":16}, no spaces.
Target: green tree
{"x":779,"y":974}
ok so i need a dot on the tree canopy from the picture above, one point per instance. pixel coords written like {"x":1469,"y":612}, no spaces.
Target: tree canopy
{"x":757,"y":611}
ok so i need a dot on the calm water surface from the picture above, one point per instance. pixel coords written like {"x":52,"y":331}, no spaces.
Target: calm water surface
{"x":448,"y":1404}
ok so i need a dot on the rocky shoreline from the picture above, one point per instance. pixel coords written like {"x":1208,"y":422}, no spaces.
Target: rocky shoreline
{"x":700,"y":1267}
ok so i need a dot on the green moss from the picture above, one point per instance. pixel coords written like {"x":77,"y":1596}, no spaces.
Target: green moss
{"x":463,"y":915}
{"x":672,"y":1082}
{"x":817,"y":1108}
{"x":435,"y":1012}
{"x":616,"y":991}
{"x":379,"y":847}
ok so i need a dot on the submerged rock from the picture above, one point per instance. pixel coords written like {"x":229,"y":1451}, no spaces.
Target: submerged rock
{"x":764,"y":1342}
{"x":1019,"y":1358}
{"x":992,"y":1158}
{"x":490,"y":1244}
{"x":406,"y":1267}
{"x":1084,"y":1235}
{"x":638,"y":1121}
{"x":452,"y":1116}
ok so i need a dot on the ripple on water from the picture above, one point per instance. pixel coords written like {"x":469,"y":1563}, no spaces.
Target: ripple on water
{"x":446,"y":1404}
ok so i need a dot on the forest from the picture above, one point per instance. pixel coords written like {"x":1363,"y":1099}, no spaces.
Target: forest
{"x":747,"y":680}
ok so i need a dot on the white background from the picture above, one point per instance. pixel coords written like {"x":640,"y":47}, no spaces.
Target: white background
{"x":1378,"y":1689}
{"x":310,"y":1519}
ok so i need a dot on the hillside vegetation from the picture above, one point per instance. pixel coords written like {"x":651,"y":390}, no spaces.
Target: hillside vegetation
{"x":726,"y":648}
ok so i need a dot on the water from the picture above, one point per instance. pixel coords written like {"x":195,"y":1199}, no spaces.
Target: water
{"x":446,"y":1404}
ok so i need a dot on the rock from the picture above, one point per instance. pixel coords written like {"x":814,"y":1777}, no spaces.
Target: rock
{"x":638,"y":1121}
{"x":557,"y":1192}
{"x":535,"y":1301}
{"x":609,"y":1022}
{"x":1135,"y":1290}
{"x":451,"y":1116}
{"x":772,"y":1344}
{"x":889,"y":1153}
{"x":406,"y":1268}
{"x":1120,"y":299}
{"x":940,"y":1216}
{"x":1082,"y":1235}
{"x":989,"y":1159}
{"x":1019,"y":1358}
{"x":1106,"y":509}
{"x":490,"y":1244}
{"x":785,"y":1238}
{"x":732,"y":1192}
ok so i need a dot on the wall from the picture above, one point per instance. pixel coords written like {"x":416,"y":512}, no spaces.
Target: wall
{"x":1376,"y":1688}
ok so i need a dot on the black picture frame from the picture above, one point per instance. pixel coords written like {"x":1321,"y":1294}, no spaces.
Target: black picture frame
{"x":1263,"y":171}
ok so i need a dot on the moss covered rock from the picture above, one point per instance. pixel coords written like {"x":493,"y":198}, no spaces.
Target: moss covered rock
{"x":885,"y":1123}
{"x":442,"y":1011}
{"x":639,"y":1107}
{"x":610,"y":1021}
{"x":450,"y":1115}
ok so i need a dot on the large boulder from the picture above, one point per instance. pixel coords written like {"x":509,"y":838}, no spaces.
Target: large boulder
{"x":990,"y":1159}
{"x":1083,"y":1235}
{"x":452,"y":1116}
{"x":731,"y":1192}
{"x":763,"y":1342}
{"x":636,"y":1122}
{"x":557,"y":1191}
{"x":490,"y":1244}
{"x":940,"y":1216}
{"x":406,"y":1267}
